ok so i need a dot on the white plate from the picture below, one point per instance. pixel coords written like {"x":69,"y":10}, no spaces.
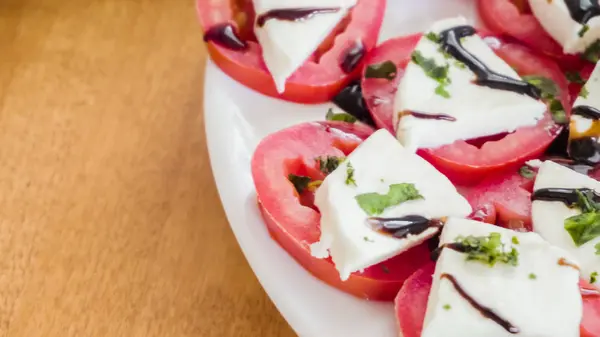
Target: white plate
{"x":237,"y":118}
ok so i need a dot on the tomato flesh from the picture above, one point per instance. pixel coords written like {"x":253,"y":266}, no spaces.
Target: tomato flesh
{"x":319,"y":79}
{"x":411,"y":305}
{"x":462,"y":161}
{"x":294,"y":222}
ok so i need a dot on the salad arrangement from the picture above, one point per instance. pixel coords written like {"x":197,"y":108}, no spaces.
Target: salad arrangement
{"x":458,"y":176}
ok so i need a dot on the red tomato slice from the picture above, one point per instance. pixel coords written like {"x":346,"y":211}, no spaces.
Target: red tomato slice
{"x":411,"y":305}
{"x":513,"y":18}
{"x":463,"y":162}
{"x":293,"y":221}
{"x":319,"y":79}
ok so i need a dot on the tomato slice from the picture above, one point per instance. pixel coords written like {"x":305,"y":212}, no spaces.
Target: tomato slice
{"x":319,"y":79}
{"x":293,"y":221}
{"x":513,"y":18}
{"x":411,"y":305}
{"x":463,"y":162}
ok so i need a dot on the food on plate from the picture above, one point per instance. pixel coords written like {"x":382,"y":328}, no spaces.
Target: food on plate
{"x":458,"y":177}
{"x":301,"y":51}
{"x":381,"y":201}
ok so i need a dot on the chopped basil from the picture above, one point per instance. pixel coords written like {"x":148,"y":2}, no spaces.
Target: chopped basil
{"x":515,"y":240}
{"x":350,"y":175}
{"x":592,"y":52}
{"x":584,"y":227}
{"x":375,"y":203}
{"x":584,"y":92}
{"x":460,"y":65}
{"x":532,"y":276}
{"x":547,"y":86}
{"x":447,"y":307}
{"x":597,"y":246}
{"x":367,"y":239}
{"x":300,"y":182}
{"x":342,"y":116}
{"x":431,"y":69}
{"x":487,"y":249}
{"x":526,"y":172}
{"x":593,"y":277}
{"x":328,"y":164}
{"x":583,"y":30}
{"x":557,"y":111}
{"x":574,"y":77}
{"x":386,"y":70}
{"x":431,"y":36}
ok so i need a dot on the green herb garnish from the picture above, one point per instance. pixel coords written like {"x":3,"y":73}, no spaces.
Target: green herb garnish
{"x":447,"y":307}
{"x":342,"y":116}
{"x":367,"y":239}
{"x":487,"y":249}
{"x":515,"y":240}
{"x":328,"y":164}
{"x":547,"y":86}
{"x":375,"y":203}
{"x":526,"y":172}
{"x":299,"y":182}
{"x":584,"y":92}
{"x":557,"y":110}
{"x":593,"y":277}
{"x":574,"y":77}
{"x":386,"y":70}
{"x":432,"y":70}
{"x":584,"y":227}
{"x":597,"y":246}
{"x":583,"y":30}
{"x":431,"y":36}
{"x":532,"y":276}
{"x":592,"y":52}
{"x":350,"y":175}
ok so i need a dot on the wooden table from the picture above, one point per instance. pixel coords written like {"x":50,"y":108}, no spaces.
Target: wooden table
{"x":110,"y":223}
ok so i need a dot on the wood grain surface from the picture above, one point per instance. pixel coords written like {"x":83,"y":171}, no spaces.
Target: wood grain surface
{"x":110,"y":223}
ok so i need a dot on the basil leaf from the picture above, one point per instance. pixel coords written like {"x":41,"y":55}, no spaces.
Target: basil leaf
{"x":583,"y":227}
{"x":342,"y":116}
{"x":558,"y":112}
{"x":386,"y":70}
{"x":433,"y":37}
{"x":592,"y":52}
{"x":593,"y":277}
{"x":487,"y":249}
{"x":584,"y":92}
{"x":584,"y":29}
{"x":574,"y":77}
{"x":547,"y":86}
{"x":350,"y":175}
{"x":300,"y":182}
{"x":375,"y":203}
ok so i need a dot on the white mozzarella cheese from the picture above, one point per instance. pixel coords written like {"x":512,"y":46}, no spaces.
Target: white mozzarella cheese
{"x":548,"y":217}
{"x":539,"y":296}
{"x":286,"y":45}
{"x":378,"y":162}
{"x":554,"y":16}
{"x":479,"y":110}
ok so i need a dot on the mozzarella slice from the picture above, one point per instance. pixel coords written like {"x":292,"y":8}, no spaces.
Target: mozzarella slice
{"x":539,"y":296}
{"x":479,"y":110}
{"x":286,"y":45}
{"x":549,"y":216}
{"x":556,"y":19}
{"x":378,"y":162}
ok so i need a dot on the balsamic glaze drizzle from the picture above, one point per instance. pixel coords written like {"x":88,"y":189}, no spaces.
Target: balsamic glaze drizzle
{"x":450,"y":40}
{"x":293,"y":14}
{"x":404,"y":226}
{"x":352,"y":57}
{"x":587,"y":112}
{"x":565,"y":263}
{"x":567,"y":196}
{"x":421,"y":115}
{"x":226,"y":36}
{"x":583,"y":11}
{"x":483,"y":310}
{"x":455,"y":246}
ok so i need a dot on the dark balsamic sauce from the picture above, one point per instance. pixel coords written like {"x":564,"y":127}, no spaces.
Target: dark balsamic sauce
{"x":225,"y":35}
{"x":351,"y":100}
{"x":455,"y":246}
{"x":404,"y":226}
{"x":483,"y":310}
{"x":421,"y":115}
{"x":352,"y":57}
{"x":583,"y":10}
{"x":563,"y":262}
{"x":567,"y":196}
{"x":587,"y":112}
{"x":450,"y":40}
{"x":293,"y":14}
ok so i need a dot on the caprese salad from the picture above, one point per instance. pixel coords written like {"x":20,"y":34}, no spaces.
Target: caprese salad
{"x":458,"y":177}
